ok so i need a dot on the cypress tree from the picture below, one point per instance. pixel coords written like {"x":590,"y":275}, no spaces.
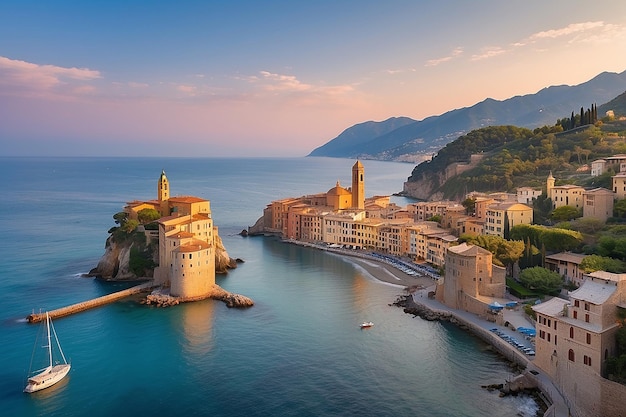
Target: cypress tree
{"x":582,"y":116}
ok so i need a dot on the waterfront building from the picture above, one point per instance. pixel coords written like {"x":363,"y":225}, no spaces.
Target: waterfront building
{"x":471,"y":281}
{"x":186,"y":241}
{"x":576,"y":336}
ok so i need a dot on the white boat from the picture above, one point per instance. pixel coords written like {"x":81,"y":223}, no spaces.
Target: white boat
{"x":366,"y":324}
{"x":55,"y":371}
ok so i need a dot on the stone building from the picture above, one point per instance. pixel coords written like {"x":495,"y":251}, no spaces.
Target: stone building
{"x":598,"y":204}
{"x":186,"y":242}
{"x":471,"y":281}
{"x":576,"y":336}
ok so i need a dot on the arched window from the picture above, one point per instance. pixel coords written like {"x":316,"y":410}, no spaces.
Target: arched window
{"x":570,"y":355}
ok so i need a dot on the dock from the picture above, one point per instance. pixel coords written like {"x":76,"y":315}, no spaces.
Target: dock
{"x":89,"y":304}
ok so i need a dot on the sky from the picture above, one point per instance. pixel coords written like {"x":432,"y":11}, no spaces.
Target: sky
{"x":275,"y":78}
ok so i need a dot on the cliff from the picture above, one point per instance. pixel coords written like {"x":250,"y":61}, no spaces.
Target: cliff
{"x":133,"y":256}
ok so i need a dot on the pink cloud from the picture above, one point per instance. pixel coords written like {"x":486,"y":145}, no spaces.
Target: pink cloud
{"x":21,"y":77}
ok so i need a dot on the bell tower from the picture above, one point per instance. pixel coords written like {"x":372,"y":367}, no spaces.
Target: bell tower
{"x":358,"y":186}
{"x":163,"y":193}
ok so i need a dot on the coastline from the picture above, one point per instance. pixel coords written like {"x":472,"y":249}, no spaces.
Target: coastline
{"x":418,"y":288}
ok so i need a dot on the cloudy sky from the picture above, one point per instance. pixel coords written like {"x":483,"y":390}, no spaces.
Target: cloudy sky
{"x":275,"y":78}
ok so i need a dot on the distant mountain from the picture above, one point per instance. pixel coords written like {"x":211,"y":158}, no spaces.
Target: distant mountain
{"x":359,"y":135}
{"x":404,"y":139}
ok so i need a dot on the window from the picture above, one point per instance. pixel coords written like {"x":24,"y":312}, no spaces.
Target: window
{"x":571,"y":332}
{"x":587,"y":318}
{"x":570,"y":355}
{"x":588,"y":338}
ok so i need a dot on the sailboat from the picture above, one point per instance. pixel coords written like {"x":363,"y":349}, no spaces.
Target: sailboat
{"x":52,"y":373}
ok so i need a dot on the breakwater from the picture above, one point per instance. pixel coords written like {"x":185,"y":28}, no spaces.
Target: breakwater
{"x":86,"y":305}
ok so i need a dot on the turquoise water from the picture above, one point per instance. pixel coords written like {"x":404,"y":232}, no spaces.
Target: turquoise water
{"x":297,"y":352}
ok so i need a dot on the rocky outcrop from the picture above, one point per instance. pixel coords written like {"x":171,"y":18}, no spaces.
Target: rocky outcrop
{"x":421,"y":311}
{"x":223,"y":262}
{"x":258,"y":228}
{"x":115,"y":264}
{"x":231,"y":299}
{"x":162,"y":298}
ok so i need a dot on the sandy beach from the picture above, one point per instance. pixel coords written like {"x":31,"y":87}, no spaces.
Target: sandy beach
{"x":387,"y":273}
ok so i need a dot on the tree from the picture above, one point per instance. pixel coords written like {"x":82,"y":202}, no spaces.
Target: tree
{"x":470,"y":206}
{"x":130,"y":225}
{"x":120,"y":217}
{"x":551,"y":239}
{"x":505,"y":252}
{"x":541,"y":280}
{"x":592,"y":263}
{"x":542,"y":207}
{"x":148,"y":215}
{"x":565,"y":213}
{"x":435,"y":218}
{"x":587,"y":225}
{"x":619,"y":208}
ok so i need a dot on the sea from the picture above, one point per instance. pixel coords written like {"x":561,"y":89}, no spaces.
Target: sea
{"x":298,"y":351}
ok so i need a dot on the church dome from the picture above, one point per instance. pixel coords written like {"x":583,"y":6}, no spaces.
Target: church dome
{"x":338,"y":190}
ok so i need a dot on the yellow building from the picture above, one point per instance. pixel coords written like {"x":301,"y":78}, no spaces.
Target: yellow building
{"x":500,"y":216}
{"x":566,"y":195}
{"x":186,"y":242}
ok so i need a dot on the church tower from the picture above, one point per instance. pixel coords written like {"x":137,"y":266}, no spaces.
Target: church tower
{"x":163,"y":194}
{"x":358,"y":186}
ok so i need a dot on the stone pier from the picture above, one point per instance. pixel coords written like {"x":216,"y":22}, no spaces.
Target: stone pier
{"x":86,"y":305}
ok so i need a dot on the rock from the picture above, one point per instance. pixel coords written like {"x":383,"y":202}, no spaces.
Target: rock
{"x":114,"y":264}
{"x":244,"y":233}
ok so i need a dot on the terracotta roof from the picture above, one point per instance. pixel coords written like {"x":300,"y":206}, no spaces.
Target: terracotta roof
{"x":194,"y":246}
{"x":186,"y":199}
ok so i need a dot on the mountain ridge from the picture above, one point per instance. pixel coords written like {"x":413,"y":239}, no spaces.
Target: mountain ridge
{"x":409,"y":140}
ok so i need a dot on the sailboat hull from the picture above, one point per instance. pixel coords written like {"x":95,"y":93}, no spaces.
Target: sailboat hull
{"x":47,"y":378}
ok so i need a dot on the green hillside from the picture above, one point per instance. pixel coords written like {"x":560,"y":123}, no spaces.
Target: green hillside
{"x":515,"y":157}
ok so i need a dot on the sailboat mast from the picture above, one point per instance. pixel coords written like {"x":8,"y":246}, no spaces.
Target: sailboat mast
{"x":49,"y":341}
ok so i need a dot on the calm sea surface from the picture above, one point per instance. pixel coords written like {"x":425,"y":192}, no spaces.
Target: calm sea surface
{"x":297,"y":352}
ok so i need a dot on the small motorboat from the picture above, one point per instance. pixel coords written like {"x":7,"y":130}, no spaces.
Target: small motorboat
{"x":366,"y":324}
